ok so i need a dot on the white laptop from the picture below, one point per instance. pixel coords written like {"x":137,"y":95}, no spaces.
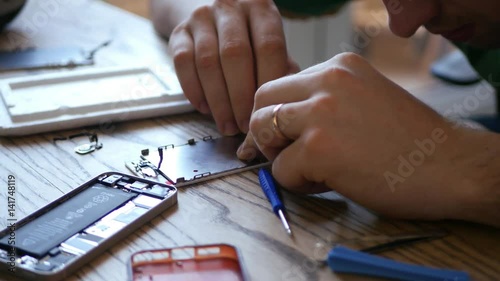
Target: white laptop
{"x":98,"y":96}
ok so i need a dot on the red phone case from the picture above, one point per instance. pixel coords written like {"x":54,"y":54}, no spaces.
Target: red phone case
{"x":218,"y":262}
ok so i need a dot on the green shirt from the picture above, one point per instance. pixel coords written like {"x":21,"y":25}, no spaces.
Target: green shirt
{"x":486,"y":62}
{"x":309,"y":7}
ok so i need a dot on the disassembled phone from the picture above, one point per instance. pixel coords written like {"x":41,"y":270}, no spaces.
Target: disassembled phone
{"x":194,"y":161}
{"x":66,"y":234}
{"x":194,"y":263}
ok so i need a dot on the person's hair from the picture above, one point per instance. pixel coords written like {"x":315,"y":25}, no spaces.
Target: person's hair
{"x":10,"y":15}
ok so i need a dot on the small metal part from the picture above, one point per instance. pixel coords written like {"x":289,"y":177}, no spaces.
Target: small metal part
{"x":127,"y":179}
{"x":92,"y":239}
{"x":61,"y":258}
{"x":159,"y":190}
{"x":139,"y":185}
{"x":145,"y":201}
{"x":191,"y":142}
{"x":44,"y":266}
{"x":77,"y":245}
{"x":199,"y":176}
{"x":3,"y":255}
{"x":128,"y":188}
{"x":143,"y":168}
{"x":105,"y":229}
{"x":122,"y":183}
{"x":145,"y":152}
{"x":54,"y":252}
{"x":130,"y":215}
{"x":111,"y":180}
{"x":284,"y":222}
{"x":84,"y":148}
{"x":87,"y":148}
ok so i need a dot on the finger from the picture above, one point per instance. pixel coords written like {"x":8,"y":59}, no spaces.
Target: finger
{"x":346,"y":61}
{"x":248,"y":149}
{"x":182,"y":50}
{"x":265,"y":136}
{"x":274,"y":128}
{"x":287,"y":89}
{"x":210,"y":71}
{"x":268,"y":41}
{"x":293,"y":66}
{"x":291,"y":169}
{"x":237,"y":61}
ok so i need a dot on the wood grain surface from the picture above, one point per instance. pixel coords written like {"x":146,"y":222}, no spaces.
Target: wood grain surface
{"x":229,"y":210}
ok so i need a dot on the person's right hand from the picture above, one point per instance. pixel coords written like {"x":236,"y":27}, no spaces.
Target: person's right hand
{"x":224,"y":52}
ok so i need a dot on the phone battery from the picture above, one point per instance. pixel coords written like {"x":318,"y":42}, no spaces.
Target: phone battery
{"x":39,"y":236}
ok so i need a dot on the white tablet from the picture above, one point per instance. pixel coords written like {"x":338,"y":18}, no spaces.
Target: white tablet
{"x":65,"y":100}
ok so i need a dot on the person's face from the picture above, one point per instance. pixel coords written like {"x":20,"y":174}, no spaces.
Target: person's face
{"x":475,"y":22}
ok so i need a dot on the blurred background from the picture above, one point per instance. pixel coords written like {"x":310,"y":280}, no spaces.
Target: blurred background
{"x":361,"y":26}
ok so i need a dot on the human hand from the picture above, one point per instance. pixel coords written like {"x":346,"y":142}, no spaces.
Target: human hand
{"x":224,"y":52}
{"x":350,"y":129}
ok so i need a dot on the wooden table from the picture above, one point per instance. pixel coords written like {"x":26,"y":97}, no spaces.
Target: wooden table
{"x":230,"y":210}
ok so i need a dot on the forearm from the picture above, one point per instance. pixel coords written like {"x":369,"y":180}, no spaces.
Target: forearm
{"x":481,"y":182}
{"x":167,"y":14}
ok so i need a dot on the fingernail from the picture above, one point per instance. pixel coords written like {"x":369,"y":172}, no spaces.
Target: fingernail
{"x":230,"y":128}
{"x":239,"y":152}
{"x":203,"y":107}
{"x":245,"y":153}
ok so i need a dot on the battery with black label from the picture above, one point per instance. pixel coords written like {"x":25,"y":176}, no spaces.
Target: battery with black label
{"x":76,"y":228}
{"x":41,"y":235}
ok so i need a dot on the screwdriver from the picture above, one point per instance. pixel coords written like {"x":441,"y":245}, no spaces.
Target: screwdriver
{"x":267,"y":183}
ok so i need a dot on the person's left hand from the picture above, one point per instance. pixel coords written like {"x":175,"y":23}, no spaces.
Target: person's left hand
{"x":350,"y":129}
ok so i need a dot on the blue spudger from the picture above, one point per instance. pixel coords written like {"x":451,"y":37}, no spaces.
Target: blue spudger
{"x":267,"y":183}
{"x":344,"y":260}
